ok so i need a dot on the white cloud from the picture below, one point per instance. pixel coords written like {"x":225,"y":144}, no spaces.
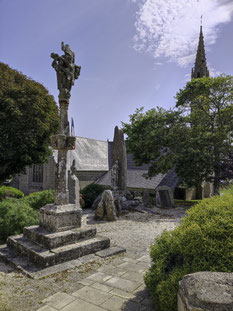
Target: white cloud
{"x":170,"y":28}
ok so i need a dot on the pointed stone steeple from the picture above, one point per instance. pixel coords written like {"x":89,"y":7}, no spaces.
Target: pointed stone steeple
{"x":200,"y":70}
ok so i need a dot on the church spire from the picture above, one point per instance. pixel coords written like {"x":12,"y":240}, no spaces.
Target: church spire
{"x":200,"y":70}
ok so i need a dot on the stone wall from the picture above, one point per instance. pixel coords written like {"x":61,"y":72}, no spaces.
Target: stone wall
{"x":88,"y":177}
{"x":206,"y":291}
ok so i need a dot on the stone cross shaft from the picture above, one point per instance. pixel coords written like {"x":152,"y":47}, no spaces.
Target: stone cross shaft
{"x":67,"y":72}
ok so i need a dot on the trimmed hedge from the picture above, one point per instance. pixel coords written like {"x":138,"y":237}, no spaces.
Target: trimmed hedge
{"x":15,"y":214}
{"x":10,"y":192}
{"x":202,"y":242}
{"x":36,"y":200}
{"x":90,"y":193}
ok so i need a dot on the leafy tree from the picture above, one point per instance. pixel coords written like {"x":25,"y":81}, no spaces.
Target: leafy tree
{"x":28,"y":117}
{"x":195,"y":137}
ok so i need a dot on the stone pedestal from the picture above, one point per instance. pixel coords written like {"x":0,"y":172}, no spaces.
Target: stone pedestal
{"x":57,"y":218}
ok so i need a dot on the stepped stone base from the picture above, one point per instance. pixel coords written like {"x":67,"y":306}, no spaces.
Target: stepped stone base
{"x":57,"y":241}
{"x":43,"y":257}
{"x":52,"y":240}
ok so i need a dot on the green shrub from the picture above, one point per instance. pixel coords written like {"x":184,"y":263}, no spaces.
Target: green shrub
{"x":10,"y":192}
{"x":202,"y":242}
{"x":228,"y":189}
{"x":90,"y":193}
{"x":36,"y":200}
{"x":14,"y":215}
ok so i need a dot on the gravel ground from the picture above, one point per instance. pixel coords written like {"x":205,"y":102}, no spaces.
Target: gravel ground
{"x":135,"y":231}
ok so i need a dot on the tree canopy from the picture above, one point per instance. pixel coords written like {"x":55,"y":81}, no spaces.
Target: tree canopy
{"x":28,"y":117}
{"x":195,"y":137}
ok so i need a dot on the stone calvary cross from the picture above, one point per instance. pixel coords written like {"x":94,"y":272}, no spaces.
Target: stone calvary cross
{"x":63,"y":215}
{"x":67,"y":72}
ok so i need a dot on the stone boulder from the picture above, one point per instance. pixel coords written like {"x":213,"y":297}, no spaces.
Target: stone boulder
{"x":206,"y":291}
{"x":106,"y":207}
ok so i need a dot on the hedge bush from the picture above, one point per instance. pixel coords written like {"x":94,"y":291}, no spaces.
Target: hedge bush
{"x":228,"y":189}
{"x":18,"y":213}
{"x":14,"y":215}
{"x":202,"y":242}
{"x":36,"y":200}
{"x":10,"y":192}
{"x":90,"y":193}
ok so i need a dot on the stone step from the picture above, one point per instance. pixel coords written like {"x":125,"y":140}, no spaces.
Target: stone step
{"x":45,"y":258}
{"x":53,"y":240}
{"x":33,"y":251}
{"x":76,"y":250}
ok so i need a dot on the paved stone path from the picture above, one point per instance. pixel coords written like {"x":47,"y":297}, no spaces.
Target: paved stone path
{"x":112,"y":284}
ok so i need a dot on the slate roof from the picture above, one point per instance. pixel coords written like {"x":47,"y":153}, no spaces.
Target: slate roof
{"x":135,"y":179}
{"x":96,"y":155}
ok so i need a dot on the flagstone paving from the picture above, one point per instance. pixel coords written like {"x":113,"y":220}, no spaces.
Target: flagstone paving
{"x":110,"y":284}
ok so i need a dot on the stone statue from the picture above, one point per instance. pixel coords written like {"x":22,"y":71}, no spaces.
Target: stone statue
{"x":115,"y":175}
{"x":73,"y":185}
{"x":66,"y":70}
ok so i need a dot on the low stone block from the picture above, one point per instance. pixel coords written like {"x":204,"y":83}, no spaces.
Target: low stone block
{"x":206,"y":291}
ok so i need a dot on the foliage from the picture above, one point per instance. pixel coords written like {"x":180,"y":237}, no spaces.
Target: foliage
{"x":90,"y":193}
{"x":195,"y":137}
{"x":18,"y":213}
{"x":15,"y":214}
{"x":202,"y":242}
{"x":36,"y":200}
{"x":28,"y":117}
{"x":228,"y":189}
{"x":10,"y":192}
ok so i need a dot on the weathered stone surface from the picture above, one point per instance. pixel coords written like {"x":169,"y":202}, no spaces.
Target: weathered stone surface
{"x":164,"y":197}
{"x":33,"y":251}
{"x":80,"y":249}
{"x":52,"y":240}
{"x":119,"y":157}
{"x":73,"y":185}
{"x":60,"y":218}
{"x":43,"y":257}
{"x":67,"y":71}
{"x":96,"y":202}
{"x":111,"y":251}
{"x":106,"y":207}
{"x":206,"y":291}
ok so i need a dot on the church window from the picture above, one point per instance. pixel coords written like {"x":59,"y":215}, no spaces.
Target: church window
{"x":37,"y":173}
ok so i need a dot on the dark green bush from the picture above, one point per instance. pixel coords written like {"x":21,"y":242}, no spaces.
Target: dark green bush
{"x":10,"y":192}
{"x":36,"y":200}
{"x":90,"y":193}
{"x":14,"y":215}
{"x":202,"y":242}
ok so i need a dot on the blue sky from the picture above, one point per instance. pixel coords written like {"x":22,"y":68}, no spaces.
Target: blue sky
{"x":133,"y":53}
